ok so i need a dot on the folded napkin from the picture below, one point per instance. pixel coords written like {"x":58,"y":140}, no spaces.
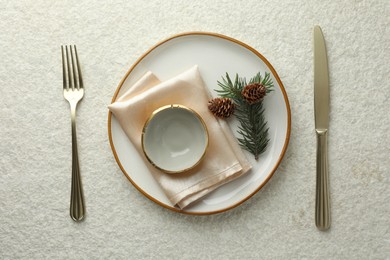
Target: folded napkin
{"x":223,"y":161}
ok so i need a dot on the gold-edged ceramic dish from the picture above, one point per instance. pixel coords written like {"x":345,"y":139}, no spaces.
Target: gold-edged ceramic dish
{"x":215,"y":54}
{"x":174,"y":138}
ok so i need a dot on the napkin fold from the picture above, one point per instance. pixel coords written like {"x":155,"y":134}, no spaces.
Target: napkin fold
{"x":224,"y":160}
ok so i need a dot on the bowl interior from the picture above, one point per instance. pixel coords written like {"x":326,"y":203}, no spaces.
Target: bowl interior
{"x":175,"y":138}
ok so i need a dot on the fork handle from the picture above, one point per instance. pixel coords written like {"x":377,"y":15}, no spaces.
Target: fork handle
{"x":77,"y":208}
{"x":322,"y":215}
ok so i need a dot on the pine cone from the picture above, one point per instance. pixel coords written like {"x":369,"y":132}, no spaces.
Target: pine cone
{"x":254,"y":93}
{"x":221,"y":107}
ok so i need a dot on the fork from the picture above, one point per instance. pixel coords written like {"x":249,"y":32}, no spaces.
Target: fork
{"x":73,"y":93}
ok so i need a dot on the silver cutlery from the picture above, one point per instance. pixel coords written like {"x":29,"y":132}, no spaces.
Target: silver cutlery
{"x":321,"y":111}
{"x":73,"y":93}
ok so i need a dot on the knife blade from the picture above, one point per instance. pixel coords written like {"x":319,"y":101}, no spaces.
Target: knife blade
{"x":321,"y":113}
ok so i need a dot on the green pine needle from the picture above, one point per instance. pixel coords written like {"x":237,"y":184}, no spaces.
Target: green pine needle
{"x":253,"y":127}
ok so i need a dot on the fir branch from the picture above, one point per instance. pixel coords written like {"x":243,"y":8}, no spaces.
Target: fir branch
{"x":253,"y":128}
{"x":252,"y":124}
{"x":228,"y":89}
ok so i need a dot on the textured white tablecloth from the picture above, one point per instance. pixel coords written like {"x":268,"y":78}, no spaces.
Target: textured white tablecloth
{"x":278,"y":222}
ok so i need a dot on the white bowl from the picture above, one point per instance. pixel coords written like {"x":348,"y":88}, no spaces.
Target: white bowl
{"x":174,"y":138}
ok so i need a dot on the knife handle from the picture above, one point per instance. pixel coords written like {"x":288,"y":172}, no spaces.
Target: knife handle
{"x":322,"y":189}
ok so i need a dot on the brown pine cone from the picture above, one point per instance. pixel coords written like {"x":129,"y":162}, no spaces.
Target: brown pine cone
{"x":254,"y":92}
{"x":221,"y":107}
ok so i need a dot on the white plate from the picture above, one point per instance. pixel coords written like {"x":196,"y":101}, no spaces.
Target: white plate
{"x":174,"y":138}
{"x":215,"y":55}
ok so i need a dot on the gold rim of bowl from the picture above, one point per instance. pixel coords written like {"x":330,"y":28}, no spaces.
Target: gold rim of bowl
{"x":154,"y":113}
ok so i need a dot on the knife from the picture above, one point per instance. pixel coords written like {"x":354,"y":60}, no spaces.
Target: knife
{"x":321,"y":112}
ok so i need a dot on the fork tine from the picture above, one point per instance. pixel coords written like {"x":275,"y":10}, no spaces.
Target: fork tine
{"x":70,"y":74}
{"x":64,"y":69}
{"x":75,"y":76}
{"x":81,"y":85}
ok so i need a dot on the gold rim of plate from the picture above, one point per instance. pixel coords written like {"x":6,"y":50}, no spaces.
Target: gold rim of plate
{"x":286,"y":141}
{"x":154,"y":113}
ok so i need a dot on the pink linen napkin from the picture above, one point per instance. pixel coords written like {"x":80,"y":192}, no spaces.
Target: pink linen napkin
{"x":224,"y":160}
